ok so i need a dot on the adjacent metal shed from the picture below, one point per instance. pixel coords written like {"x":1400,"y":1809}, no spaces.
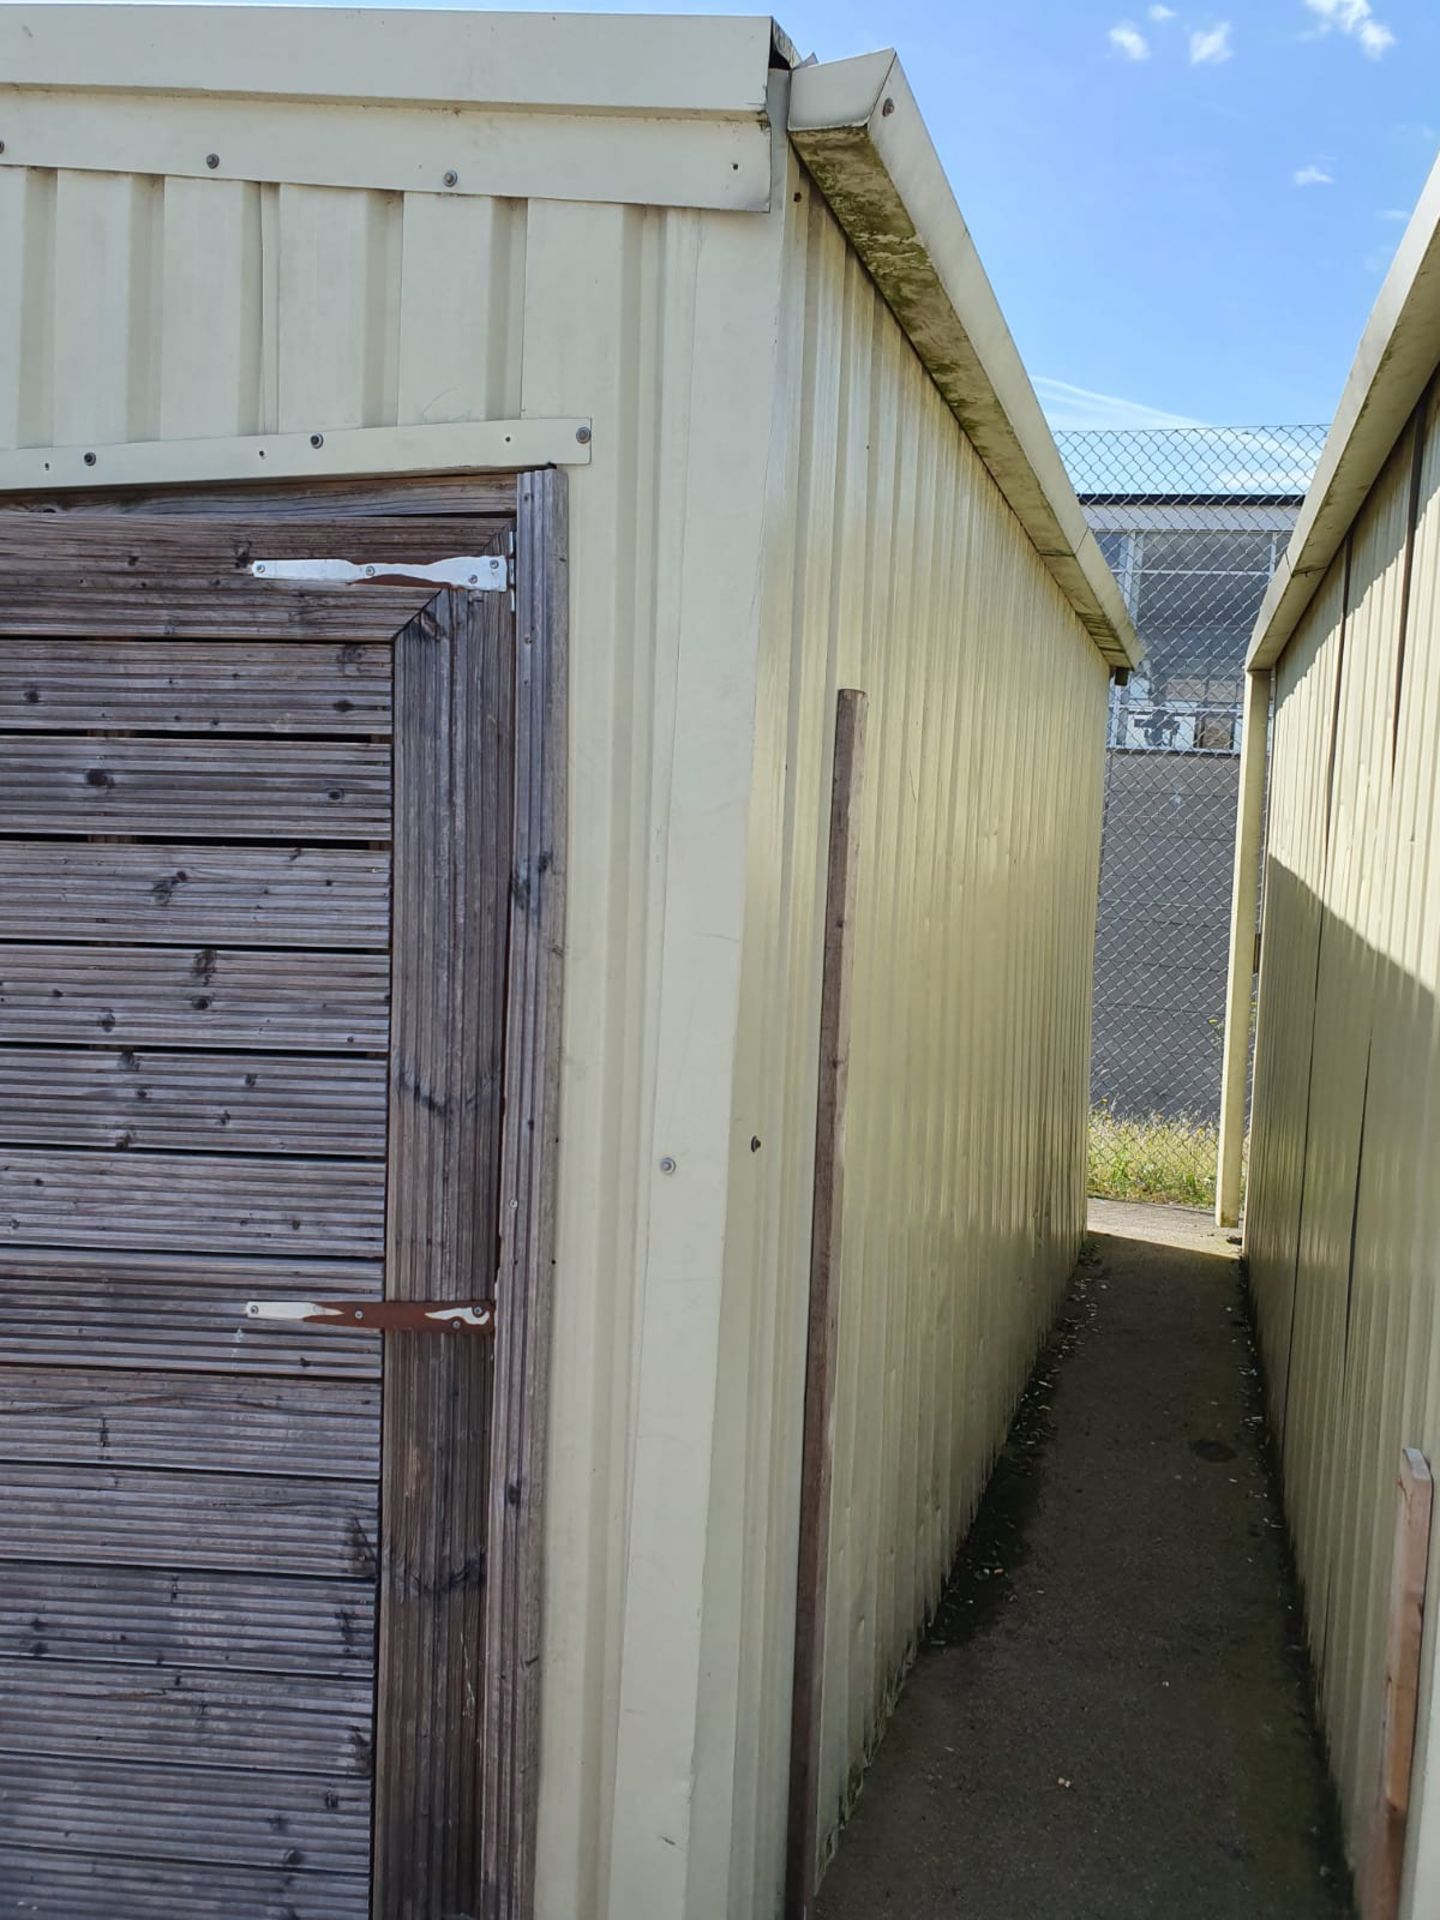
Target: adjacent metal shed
{"x":1343,"y":1206}
{"x":678,"y":363}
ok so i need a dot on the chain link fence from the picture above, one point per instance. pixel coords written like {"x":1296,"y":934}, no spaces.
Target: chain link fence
{"x":1192,"y":520}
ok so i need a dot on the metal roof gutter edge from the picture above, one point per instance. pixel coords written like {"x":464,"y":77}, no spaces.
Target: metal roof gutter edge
{"x":857,"y":128}
{"x":1397,"y":355}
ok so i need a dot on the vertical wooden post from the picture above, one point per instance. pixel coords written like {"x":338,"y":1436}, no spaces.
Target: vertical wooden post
{"x":524,"y":1283}
{"x":454,"y":668}
{"x":819,"y":1430}
{"x":1240,"y":988}
{"x":1385,"y":1850}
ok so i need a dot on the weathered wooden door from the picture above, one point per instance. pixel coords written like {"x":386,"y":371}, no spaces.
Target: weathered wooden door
{"x":256,"y":847}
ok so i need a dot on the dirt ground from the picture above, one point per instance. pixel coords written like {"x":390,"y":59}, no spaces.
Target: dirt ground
{"x":1111,"y":1719}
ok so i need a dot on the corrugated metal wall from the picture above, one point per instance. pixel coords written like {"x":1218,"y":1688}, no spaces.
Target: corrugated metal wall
{"x":894,"y":565}
{"x":730,"y":557}
{"x":1343,"y":1230}
{"x":135,"y":308}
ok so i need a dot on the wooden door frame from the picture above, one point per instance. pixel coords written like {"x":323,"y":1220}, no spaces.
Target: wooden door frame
{"x":510,"y":1736}
{"x":529,"y":1154}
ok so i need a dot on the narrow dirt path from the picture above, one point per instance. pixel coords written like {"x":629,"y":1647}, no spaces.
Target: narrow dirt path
{"x":1111,"y":1718}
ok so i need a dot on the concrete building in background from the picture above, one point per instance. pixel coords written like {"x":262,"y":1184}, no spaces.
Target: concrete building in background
{"x":1342,"y":1220}
{"x":270,"y":269}
{"x":1193,"y":521}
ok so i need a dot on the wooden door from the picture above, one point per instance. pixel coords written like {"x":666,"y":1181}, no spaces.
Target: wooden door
{"x":256,"y":848}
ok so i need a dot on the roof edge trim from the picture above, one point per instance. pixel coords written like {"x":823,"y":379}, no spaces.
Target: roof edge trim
{"x":857,"y":127}
{"x":655,"y":65}
{"x":1393,"y":364}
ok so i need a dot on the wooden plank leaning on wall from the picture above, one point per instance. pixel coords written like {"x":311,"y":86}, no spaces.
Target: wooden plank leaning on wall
{"x":1383,"y":1869}
{"x":841,"y":885}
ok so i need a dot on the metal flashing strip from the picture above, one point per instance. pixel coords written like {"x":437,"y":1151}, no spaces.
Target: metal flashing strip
{"x":348,"y":453}
{"x":627,"y":159}
{"x":558,"y":63}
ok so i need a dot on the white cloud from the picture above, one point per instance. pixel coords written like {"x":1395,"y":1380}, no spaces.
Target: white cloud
{"x":1129,"y":40}
{"x":1162,"y":13}
{"x":1312,"y":176}
{"x":1398,"y":214}
{"x":1068,"y":407}
{"x":1356,"y":18}
{"x":1210,"y":45}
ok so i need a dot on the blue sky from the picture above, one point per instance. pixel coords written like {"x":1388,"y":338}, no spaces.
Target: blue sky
{"x":1199,"y":231}
{"x":1186,"y":209}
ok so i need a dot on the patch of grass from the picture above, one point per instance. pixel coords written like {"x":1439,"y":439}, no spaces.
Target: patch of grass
{"x":1146,"y":1157}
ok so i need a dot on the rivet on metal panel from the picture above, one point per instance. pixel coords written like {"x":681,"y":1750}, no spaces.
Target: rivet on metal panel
{"x":317,"y":439}
{"x":90,"y":459}
{"x":755,"y":1143}
{"x":582,"y":434}
{"x":2,"y":146}
{"x":212,"y":160}
{"x":452,"y":179}
{"x":667,"y":1165}
{"x":887,"y":109}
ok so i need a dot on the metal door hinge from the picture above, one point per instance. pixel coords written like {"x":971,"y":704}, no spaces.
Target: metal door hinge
{"x":481,"y":573}
{"x":380,"y":1316}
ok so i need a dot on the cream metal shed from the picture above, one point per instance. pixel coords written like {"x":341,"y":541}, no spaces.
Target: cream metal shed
{"x":1341,"y":1226}
{"x":475,"y":492}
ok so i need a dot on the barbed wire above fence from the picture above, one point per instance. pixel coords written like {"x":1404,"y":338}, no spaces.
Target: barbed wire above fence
{"x":1193,"y":522}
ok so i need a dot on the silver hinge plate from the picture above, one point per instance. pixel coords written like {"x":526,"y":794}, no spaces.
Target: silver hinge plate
{"x":480,"y":573}
{"x":380,"y":1316}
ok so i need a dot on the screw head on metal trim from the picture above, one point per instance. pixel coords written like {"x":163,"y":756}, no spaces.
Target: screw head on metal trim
{"x":90,"y":459}
{"x":582,"y":434}
{"x":452,"y":179}
{"x":317,"y":439}
{"x":2,"y":146}
{"x":887,"y":109}
{"x":212,"y":160}
{"x":667,"y":1165}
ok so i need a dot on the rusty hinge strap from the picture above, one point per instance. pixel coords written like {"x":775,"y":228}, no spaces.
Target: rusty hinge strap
{"x":380,"y":1316}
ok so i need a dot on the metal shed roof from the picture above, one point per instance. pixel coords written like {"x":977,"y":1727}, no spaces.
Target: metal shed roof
{"x":1396,"y":360}
{"x":857,"y":127}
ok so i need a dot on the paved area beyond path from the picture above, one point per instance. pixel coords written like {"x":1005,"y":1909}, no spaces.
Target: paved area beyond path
{"x":1111,"y":1717}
